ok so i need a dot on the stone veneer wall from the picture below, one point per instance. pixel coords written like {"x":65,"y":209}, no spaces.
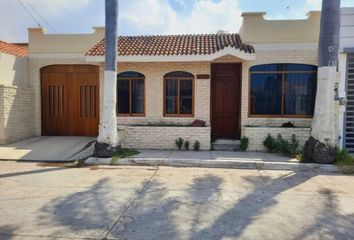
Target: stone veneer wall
{"x":151,"y":137}
{"x":16,"y":113}
{"x":256,"y":135}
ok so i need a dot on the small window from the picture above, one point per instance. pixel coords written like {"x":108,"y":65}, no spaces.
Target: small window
{"x":130,"y":94}
{"x":283,"y":90}
{"x":178,"y":94}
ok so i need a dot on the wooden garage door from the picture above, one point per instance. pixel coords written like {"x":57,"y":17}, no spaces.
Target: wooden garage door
{"x":70,"y":100}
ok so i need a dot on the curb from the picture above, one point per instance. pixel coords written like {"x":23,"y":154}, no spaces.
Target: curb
{"x":205,"y":163}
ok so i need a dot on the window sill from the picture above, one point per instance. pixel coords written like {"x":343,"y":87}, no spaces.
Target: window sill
{"x":179,"y":115}
{"x":281,"y":116}
{"x":130,"y":115}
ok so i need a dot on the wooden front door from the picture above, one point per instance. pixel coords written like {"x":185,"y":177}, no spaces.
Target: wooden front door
{"x":225,"y":100}
{"x":70,"y":100}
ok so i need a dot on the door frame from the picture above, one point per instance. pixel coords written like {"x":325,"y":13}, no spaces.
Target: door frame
{"x":237,"y":134}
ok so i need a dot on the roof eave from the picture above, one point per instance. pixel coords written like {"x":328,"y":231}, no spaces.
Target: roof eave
{"x":180,"y":58}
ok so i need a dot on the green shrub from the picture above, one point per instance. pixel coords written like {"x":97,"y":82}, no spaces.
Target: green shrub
{"x":123,"y":153}
{"x":294,"y":146}
{"x":300,"y":156}
{"x":270,"y":143}
{"x":179,"y":143}
{"x":286,"y":147}
{"x":289,"y":148}
{"x":186,"y":145}
{"x":196,"y":145}
{"x":344,"y":161}
{"x":343,"y":157}
{"x":282,"y":145}
{"x":244,"y":143}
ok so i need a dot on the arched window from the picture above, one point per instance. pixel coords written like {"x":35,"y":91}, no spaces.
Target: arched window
{"x":179,"y":94}
{"x":130,"y":94}
{"x":282,"y":90}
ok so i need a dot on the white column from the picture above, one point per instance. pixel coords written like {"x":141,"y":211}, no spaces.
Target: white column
{"x":108,"y":119}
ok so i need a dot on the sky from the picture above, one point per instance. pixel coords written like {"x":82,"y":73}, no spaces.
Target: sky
{"x":143,"y":17}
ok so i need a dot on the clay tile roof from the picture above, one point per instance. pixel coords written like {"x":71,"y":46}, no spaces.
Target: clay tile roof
{"x":174,"y":45}
{"x":12,"y":49}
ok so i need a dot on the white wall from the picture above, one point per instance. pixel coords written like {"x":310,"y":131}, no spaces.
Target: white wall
{"x":347,"y":28}
{"x":13,"y":70}
{"x":16,"y":99}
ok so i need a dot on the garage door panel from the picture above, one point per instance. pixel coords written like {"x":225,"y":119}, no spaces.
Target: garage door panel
{"x":54,"y":103}
{"x":70,"y":100}
{"x":86,"y":109}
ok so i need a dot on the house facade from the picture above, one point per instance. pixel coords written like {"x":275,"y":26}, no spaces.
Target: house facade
{"x":16,"y":95}
{"x":251,"y":83}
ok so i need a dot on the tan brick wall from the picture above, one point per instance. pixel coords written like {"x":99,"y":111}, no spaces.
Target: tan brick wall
{"x":16,"y":113}
{"x":306,"y":56}
{"x":143,"y":137}
{"x":256,"y":135}
{"x":154,"y":73}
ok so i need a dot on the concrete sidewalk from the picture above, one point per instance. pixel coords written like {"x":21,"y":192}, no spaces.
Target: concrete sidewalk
{"x":44,"y":148}
{"x":214,"y":159}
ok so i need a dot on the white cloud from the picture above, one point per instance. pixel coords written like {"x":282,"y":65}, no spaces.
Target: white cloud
{"x":157,"y":16}
{"x":148,"y":13}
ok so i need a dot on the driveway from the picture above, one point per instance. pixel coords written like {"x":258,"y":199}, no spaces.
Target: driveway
{"x":51,"y":201}
{"x":44,"y":148}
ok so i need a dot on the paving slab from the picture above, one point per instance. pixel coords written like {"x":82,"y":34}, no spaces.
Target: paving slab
{"x":250,"y":156}
{"x":44,"y":148}
{"x":180,"y":155}
{"x":157,"y":154}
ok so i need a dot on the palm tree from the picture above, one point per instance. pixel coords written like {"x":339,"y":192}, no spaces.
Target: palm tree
{"x":107,"y":141}
{"x":320,"y":147}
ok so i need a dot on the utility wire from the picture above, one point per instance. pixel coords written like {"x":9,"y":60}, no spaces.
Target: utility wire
{"x":35,"y":10}
{"x":29,"y":13}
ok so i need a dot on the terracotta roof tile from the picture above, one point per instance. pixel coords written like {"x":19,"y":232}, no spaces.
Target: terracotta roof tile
{"x":174,"y":45}
{"x":12,"y":49}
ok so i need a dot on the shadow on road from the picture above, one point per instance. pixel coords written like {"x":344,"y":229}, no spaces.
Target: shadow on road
{"x":6,"y":231}
{"x":162,"y":213}
{"x":15,"y":174}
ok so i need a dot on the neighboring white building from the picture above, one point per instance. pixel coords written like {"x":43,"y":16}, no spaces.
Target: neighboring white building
{"x":16,"y":95}
{"x":346,"y":85}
